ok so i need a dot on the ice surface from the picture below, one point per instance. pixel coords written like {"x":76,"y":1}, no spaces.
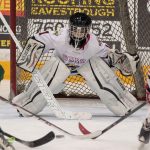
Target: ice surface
{"x":123,"y":136}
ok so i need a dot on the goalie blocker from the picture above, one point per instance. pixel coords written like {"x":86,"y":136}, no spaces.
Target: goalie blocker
{"x":30,"y":55}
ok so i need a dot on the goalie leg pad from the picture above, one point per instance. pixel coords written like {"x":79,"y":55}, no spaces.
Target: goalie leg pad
{"x":34,"y":104}
{"x":108,"y":87}
{"x":54,"y":73}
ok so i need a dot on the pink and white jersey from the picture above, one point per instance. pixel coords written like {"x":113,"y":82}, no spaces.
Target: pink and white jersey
{"x":67,"y":53}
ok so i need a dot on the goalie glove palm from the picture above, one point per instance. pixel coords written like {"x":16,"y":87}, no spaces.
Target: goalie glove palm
{"x":124,"y":62}
{"x":133,"y":60}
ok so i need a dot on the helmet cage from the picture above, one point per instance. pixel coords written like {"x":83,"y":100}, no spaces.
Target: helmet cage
{"x":78,"y":33}
{"x":79,"y":27}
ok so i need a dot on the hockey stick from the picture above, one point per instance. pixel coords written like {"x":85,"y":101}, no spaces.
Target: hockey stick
{"x":41,"y":141}
{"x":48,"y":95}
{"x":86,"y":131}
{"x":87,"y":136}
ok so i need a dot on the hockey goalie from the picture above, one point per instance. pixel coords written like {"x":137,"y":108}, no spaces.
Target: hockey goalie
{"x":77,"y":50}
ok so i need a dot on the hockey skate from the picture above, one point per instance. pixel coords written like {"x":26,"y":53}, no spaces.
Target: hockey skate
{"x":144,"y":135}
{"x":4,"y":144}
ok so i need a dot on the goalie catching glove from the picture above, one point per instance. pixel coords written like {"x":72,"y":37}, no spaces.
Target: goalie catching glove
{"x":31,"y":54}
{"x":126,"y":63}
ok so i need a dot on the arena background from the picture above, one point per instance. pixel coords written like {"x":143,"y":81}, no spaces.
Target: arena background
{"x":104,"y":14}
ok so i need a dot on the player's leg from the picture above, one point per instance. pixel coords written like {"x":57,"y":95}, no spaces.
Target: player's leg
{"x":4,"y":144}
{"x":54,"y":73}
{"x":104,"y":82}
{"x":144,"y":135}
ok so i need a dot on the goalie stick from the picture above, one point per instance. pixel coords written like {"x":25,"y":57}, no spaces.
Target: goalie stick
{"x":86,"y":131}
{"x":48,"y":95}
{"x":87,"y":136}
{"x":41,"y":141}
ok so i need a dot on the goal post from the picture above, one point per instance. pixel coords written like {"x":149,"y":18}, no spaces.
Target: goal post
{"x":116,"y":22}
{"x":131,"y":45}
{"x":13,"y":86}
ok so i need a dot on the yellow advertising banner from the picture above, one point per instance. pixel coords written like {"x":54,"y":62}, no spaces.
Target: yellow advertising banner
{"x":5,"y":7}
{"x":60,"y":9}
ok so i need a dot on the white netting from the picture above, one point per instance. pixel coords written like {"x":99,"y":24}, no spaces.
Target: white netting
{"x":106,"y":26}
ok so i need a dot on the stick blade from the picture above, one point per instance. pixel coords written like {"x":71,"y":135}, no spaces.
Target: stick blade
{"x":92,"y":135}
{"x":43,"y":140}
{"x":83,"y":129}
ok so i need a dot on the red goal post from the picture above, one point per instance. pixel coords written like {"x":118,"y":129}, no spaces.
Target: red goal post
{"x":111,"y":23}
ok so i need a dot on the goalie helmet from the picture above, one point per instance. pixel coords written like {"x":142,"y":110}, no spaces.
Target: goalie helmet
{"x":79,"y":28}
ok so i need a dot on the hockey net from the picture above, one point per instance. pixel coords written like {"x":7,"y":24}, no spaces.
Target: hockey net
{"x":40,"y":15}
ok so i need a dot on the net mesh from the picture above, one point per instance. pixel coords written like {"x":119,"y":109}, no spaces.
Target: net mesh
{"x":40,"y":15}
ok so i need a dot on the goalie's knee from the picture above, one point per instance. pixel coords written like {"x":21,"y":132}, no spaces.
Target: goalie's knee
{"x":54,"y":73}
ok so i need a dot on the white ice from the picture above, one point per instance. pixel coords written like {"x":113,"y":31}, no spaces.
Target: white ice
{"x":123,"y":136}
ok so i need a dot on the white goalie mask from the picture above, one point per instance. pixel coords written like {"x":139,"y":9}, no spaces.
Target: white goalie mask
{"x":79,"y":28}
